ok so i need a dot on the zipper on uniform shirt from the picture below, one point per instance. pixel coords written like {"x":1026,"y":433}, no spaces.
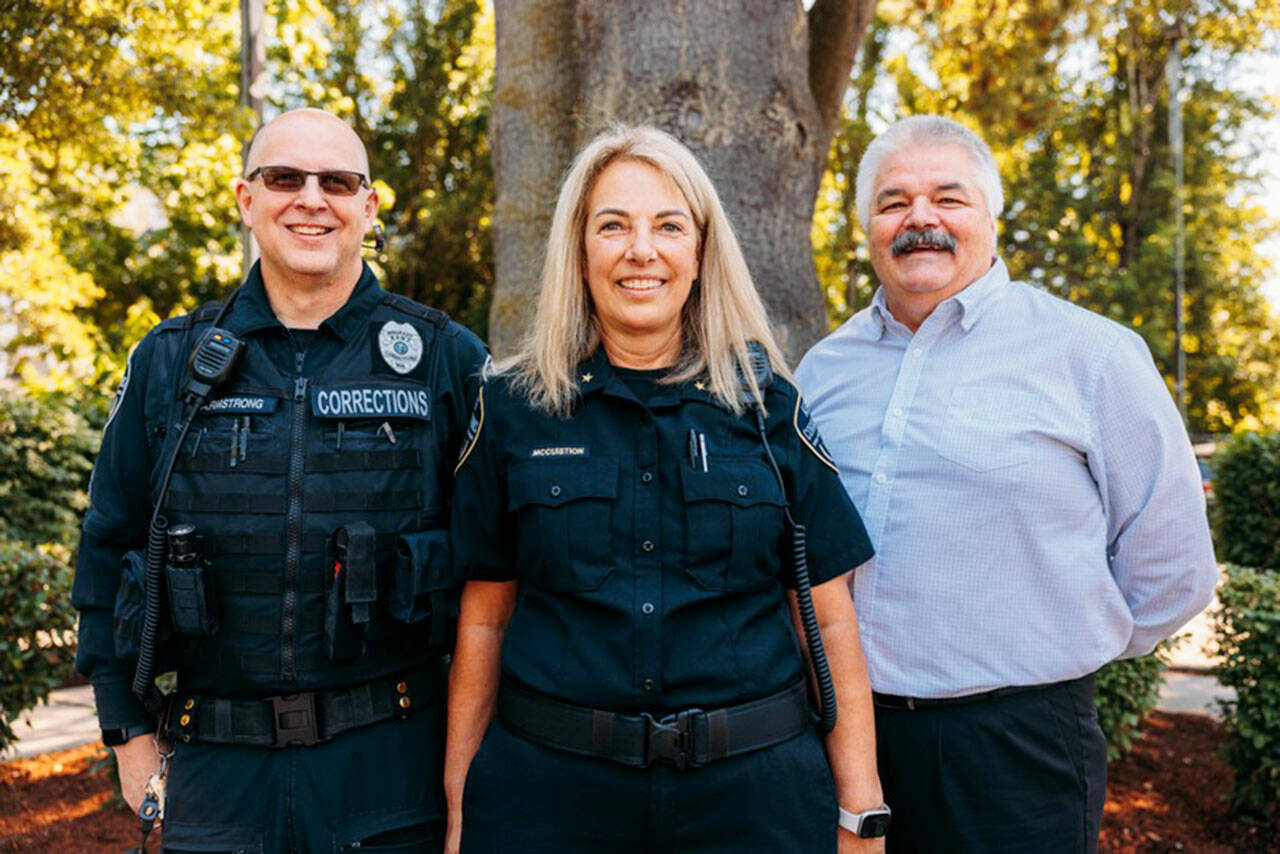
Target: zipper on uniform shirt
{"x":293,"y":527}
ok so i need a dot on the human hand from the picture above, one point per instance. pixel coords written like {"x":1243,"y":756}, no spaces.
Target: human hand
{"x":137,"y":759}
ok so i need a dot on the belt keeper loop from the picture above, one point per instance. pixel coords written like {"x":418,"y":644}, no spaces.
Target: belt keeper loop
{"x":717,"y":734}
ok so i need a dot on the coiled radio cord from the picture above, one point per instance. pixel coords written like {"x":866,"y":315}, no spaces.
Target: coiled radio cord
{"x":826,"y":688}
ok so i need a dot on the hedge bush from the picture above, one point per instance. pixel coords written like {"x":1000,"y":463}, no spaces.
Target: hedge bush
{"x":1246,"y":473}
{"x":1126,"y":692}
{"x":1247,"y":631}
{"x":46,"y":454}
{"x":37,"y":642}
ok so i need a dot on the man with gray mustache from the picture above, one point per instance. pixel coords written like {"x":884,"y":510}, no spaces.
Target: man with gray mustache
{"x":1032,"y":497}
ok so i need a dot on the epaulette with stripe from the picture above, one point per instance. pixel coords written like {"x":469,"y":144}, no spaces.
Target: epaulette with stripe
{"x":417,"y":309}
{"x":202,"y":314}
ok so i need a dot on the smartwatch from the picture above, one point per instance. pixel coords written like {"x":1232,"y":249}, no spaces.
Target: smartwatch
{"x":119,"y":735}
{"x":871,"y":824}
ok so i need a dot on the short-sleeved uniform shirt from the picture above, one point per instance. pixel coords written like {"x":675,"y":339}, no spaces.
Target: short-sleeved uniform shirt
{"x":648,"y":581}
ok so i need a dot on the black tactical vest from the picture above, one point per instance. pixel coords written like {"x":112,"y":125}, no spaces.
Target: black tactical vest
{"x":320,"y":506}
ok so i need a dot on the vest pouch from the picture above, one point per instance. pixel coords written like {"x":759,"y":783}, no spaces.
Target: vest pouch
{"x":423,"y":580}
{"x":130,"y":604}
{"x":191,"y":602}
{"x":352,"y":590}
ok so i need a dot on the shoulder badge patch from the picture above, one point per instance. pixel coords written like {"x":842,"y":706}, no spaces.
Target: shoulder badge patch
{"x":808,"y":431}
{"x":473,"y":430}
{"x":120,"y":392}
{"x":400,"y":345}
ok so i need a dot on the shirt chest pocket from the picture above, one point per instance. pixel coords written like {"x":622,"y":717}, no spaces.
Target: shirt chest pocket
{"x":988,"y":428}
{"x":733,"y":525}
{"x":217,"y":441}
{"x":563,"y":514}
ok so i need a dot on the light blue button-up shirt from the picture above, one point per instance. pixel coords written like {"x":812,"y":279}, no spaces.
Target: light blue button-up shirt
{"x":1027,"y":483}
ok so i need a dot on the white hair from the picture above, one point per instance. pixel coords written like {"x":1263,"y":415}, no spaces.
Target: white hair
{"x":928,"y":131}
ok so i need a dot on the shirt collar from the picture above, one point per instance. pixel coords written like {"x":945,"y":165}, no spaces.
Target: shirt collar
{"x":971,"y":302}
{"x":981,"y":294}
{"x":595,"y":374}
{"x":252,"y":310}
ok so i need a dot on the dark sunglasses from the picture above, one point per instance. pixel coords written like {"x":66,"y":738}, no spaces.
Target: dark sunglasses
{"x":286,"y":179}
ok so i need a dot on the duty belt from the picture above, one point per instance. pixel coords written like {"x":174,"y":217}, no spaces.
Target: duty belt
{"x":305,"y":718}
{"x":684,"y":739}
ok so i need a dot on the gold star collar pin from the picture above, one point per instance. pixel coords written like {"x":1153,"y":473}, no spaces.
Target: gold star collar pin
{"x":588,"y":377}
{"x":700,"y":385}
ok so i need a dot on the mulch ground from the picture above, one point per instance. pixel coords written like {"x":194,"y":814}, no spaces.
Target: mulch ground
{"x":1166,"y":796}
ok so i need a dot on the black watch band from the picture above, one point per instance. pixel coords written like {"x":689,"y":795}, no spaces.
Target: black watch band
{"x":119,"y":735}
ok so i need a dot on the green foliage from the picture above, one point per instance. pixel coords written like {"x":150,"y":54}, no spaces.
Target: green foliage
{"x":119,"y":129}
{"x":46,"y":454}
{"x":36,"y":626}
{"x":1247,"y":630}
{"x":1126,"y":692}
{"x":1246,"y":473}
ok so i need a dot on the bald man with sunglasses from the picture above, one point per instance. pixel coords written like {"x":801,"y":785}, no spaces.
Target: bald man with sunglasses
{"x":304,"y":593}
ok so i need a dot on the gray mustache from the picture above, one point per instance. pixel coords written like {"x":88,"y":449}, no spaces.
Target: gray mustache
{"x":928,"y":238}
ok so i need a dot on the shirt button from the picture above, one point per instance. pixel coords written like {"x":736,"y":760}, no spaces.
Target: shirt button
{"x":555,"y":490}
{"x":646,"y":608}
{"x":648,"y":684}
{"x":647,"y":545}
{"x":742,"y":490}
{"x":897,"y":411}
{"x":917,"y":352}
{"x":647,"y":477}
{"x":881,"y":477}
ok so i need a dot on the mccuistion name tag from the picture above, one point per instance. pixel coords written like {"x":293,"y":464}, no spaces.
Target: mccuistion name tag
{"x":371,"y":402}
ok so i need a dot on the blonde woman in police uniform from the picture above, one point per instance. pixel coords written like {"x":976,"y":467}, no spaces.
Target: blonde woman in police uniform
{"x":628,"y":675}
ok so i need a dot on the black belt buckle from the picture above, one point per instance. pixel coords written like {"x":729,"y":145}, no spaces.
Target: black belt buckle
{"x":670,"y":739}
{"x":294,"y":718}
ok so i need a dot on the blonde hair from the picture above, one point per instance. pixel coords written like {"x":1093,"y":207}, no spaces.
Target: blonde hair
{"x":722,"y":314}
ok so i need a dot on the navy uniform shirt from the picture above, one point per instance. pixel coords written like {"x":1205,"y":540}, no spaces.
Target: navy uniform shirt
{"x":120,"y":490}
{"x":647,"y":583}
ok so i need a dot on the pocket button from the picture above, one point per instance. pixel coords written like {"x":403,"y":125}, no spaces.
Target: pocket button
{"x":555,"y":491}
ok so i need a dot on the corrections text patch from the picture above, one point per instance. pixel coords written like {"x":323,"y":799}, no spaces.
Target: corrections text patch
{"x":371,"y":402}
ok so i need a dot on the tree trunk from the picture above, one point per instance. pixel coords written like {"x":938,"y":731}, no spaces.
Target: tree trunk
{"x":753,"y":87}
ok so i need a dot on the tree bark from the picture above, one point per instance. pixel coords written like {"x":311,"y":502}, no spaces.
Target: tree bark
{"x":533,"y":136}
{"x":753,"y":87}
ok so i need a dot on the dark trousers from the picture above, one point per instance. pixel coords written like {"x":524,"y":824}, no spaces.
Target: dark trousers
{"x":524,"y":797}
{"x":377,"y":788}
{"x":1023,"y":772}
